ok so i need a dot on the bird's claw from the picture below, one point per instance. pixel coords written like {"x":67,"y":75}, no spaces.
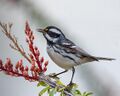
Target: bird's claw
{"x":71,"y":84}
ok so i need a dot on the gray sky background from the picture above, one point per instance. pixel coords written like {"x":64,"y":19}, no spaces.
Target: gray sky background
{"x":94,"y":25}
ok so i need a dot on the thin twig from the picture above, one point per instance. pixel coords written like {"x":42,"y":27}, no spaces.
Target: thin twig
{"x":6,"y":28}
{"x":13,"y":47}
{"x":18,"y":74}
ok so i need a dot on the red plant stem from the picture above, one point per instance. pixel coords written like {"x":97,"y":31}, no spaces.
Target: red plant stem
{"x":37,"y":59}
{"x":18,"y":74}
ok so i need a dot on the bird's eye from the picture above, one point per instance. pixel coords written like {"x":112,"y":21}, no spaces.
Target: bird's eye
{"x":54,"y":35}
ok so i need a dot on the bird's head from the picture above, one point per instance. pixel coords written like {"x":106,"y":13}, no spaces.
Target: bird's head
{"x":52,"y":34}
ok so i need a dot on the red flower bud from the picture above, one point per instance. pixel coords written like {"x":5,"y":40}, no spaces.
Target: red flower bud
{"x":32,"y":68}
{"x":39,"y":70}
{"x":45,"y":69}
{"x":1,"y":63}
{"x":46,"y":63}
{"x":36,"y":48}
{"x":31,"y":34}
{"x":21,"y":68}
{"x":32,"y":37}
{"x":6,"y":66}
{"x":21,"y":62}
{"x":8,"y":61}
{"x":16,"y":70}
{"x":42,"y":59}
{"x":26,"y":68}
{"x":30,"y":46}
{"x":31,"y":56}
{"x":17,"y":65}
{"x":25,"y":73}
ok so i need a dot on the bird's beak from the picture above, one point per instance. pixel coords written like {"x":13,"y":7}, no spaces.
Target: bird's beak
{"x":41,"y":30}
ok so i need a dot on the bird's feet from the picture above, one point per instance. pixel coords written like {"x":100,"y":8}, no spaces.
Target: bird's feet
{"x":71,"y":84}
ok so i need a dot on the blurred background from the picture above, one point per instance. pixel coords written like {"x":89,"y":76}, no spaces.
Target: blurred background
{"x":94,"y":25}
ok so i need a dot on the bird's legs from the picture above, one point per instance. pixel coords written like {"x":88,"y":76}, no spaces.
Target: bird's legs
{"x":61,"y":72}
{"x":55,"y":75}
{"x":73,"y":72}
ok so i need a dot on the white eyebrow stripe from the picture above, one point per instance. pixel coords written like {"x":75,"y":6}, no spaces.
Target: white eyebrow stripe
{"x":55,"y":31}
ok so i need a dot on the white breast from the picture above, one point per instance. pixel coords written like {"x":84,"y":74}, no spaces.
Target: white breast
{"x":61,"y":61}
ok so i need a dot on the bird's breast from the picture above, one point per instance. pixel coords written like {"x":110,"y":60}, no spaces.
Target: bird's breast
{"x":63,"y":60}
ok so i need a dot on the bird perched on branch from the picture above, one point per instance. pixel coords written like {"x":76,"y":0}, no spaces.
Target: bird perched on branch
{"x":64,"y":52}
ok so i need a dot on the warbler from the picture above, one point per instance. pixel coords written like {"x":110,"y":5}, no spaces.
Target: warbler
{"x":64,"y":52}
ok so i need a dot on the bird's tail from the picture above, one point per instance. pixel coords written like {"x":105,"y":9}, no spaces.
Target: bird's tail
{"x":104,"y":58}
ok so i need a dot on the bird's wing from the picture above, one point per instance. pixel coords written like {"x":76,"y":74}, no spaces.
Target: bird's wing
{"x":70,"y":47}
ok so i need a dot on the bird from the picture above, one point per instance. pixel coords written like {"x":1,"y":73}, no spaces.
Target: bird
{"x":64,"y":52}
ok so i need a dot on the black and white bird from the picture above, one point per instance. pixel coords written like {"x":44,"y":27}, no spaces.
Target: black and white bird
{"x":64,"y":52}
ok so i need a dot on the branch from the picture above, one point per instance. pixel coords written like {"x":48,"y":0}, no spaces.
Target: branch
{"x":53,"y":84}
{"x":6,"y":29}
{"x":19,"y":70}
{"x":38,"y":67}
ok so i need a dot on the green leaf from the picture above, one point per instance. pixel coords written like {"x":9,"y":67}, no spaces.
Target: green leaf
{"x":41,"y":84}
{"x":62,"y":94}
{"x":59,"y":82}
{"x":43,"y":91}
{"x":49,"y":90}
{"x":77,"y":92}
{"x":53,"y":91}
{"x":61,"y":89}
{"x":87,"y":93}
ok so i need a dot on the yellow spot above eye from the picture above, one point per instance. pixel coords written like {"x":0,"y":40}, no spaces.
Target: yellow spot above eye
{"x":46,"y":29}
